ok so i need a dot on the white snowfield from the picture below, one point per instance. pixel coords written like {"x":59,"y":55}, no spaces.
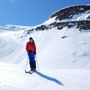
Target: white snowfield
{"x":63,"y":57}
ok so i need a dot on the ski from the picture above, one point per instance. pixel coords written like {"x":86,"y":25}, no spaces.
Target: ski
{"x":27,"y":72}
{"x":30,"y":72}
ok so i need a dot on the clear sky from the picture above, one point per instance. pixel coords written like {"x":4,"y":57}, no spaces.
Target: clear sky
{"x":31,"y":12}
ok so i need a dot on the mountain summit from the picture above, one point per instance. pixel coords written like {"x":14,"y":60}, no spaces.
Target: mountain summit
{"x":70,"y":12}
{"x":75,"y":16}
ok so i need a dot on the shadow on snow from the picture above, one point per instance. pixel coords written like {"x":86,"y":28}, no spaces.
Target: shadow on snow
{"x":49,"y":78}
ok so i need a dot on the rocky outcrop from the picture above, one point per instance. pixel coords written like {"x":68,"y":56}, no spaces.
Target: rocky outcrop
{"x":68,"y":13}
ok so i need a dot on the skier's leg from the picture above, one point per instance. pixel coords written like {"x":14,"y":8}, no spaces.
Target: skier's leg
{"x":30,"y":59}
{"x":33,"y":61}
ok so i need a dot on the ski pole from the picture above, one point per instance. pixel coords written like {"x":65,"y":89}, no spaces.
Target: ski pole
{"x":37,"y":63}
{"x":26,"y":65}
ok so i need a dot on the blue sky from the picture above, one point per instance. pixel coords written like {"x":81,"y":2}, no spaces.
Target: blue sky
{"x":31,"y":12}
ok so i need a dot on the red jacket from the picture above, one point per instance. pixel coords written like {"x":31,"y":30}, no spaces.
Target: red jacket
{"x":31,"y":46}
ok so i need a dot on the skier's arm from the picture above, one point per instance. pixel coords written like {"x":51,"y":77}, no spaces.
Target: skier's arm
{"x":34,"y":48}
{"x":27,"y":47}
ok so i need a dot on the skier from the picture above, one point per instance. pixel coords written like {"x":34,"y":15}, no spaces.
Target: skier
{"x":31,"y":50}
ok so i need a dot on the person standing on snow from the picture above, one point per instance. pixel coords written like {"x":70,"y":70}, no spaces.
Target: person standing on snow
{"x":31,"y":50}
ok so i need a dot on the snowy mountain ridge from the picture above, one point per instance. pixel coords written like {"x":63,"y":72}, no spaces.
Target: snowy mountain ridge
{"x":74,"y":16}
{"x":70,"y":12}
{"x":15,"y":27}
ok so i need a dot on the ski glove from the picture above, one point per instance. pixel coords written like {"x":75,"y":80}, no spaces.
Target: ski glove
{"x":34,"y":52}
{"x":30,"y":51}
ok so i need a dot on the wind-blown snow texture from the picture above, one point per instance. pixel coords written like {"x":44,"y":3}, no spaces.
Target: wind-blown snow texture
{"x":63,"y":58}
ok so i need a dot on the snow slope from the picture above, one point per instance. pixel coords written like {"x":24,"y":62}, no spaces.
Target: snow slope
{"x":71,"y":51}
{"x":63,"y":57}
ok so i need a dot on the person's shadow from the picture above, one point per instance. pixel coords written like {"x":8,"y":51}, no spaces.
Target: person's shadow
{"x":49,"y":78}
